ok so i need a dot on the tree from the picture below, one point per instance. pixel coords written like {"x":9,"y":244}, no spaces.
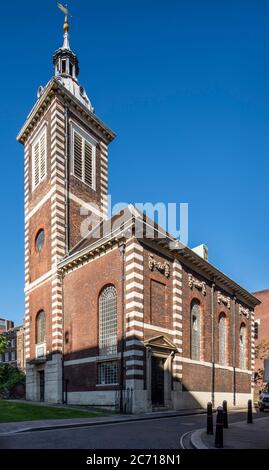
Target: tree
{"x":261,"y":352}
{"x":3,"y":344}
{"x":10,"y":376}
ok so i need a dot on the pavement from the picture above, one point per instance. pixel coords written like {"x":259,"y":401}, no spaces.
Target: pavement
{"x":239,"y":435}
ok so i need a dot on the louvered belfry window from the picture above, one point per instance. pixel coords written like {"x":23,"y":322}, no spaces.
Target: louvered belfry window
{"x":39,"y":158}
{"x":78,"y":160}
{"x":83,"y":158}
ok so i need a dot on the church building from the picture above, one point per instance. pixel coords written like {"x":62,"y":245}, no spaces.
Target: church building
{"x":119,"y":319}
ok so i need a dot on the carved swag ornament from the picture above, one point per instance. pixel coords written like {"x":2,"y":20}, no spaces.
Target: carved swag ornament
{"x":200,"y":285}
{"x":225,"y":300}
{"x":244,"y":311}
{"x":163,"y":268}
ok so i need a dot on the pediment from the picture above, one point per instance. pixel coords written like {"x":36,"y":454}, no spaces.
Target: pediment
{"x":161,"y":342}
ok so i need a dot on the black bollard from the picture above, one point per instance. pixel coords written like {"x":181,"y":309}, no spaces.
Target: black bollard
{"x":219,"y":429}
{"x":209,"y":422}
{"x":250,"y":418}
{"x":225,"y":415}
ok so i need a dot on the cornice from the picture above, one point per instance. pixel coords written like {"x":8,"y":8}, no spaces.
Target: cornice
{"x":184,"y":255}
{"x":53,"y":89}
{"x":80,"y":259}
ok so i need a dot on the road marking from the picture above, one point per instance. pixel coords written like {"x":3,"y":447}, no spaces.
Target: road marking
{"x":182,"y":438}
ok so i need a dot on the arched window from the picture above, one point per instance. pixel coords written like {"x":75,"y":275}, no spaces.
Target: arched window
{"x":39,"y":241}
{"x":242,"y":347}
{"x":222,"y":340}
{"x":40,"y":327}
{"x":195,"y":331}
{"x":108,"y":321}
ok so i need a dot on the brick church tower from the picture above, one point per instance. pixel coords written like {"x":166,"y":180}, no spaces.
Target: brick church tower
{"x":66,"y":161}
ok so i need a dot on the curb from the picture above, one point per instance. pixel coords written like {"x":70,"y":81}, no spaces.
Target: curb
{"x":99,"y":423}
{"x":196,"y":436}
{"x":182,"y":438}
{"x":196,"y":439}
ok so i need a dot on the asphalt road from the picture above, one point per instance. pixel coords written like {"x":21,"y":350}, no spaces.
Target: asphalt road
{"x":164,"y":433}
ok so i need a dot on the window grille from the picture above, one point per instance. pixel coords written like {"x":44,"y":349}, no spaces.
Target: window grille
{"x":108,"y":321}
{"x":40,"y":327}
{"x":195,"y":331}
{"x":108,"y":373}
{"x":242,"y":347}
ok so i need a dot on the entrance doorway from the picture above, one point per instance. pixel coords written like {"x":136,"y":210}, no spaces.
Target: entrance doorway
{"x":157,"y":381}
{"x":41,"y":385}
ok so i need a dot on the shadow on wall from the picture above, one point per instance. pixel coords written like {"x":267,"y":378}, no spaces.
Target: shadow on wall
{"x":87,"y":378}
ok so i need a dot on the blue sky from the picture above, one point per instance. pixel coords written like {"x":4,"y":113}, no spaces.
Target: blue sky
{"x":185,"y":84}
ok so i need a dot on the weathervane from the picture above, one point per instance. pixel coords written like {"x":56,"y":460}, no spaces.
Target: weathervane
{"x":65,"y":10}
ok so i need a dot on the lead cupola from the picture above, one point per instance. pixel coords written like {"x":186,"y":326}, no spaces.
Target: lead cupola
{"x":66,"y":66}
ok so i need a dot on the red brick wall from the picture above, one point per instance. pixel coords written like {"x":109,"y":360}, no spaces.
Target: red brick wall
{"x":221,"y":309}
{"x":84,"y":377}
{"x":243,"y":383}
{"x":239,"y":319}
{"x":188,"y":295}
{"x":40,"y":262}
{"x":40,"y":299}
{"x":83,"y":191}
{"x":158,"y":293}
{"x":158,"y":300}
{"x":44,"y":187}
{"x":82,"y":288}
{"x":223,"y":378}
{"x":196,"y":377}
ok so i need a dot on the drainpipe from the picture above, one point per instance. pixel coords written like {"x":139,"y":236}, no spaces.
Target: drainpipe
{"x":234,"y":351}
{"x":212,"y":344}
{"x":64,"y":399}
{"x":66,"y":180}
{"x":122,"y":248}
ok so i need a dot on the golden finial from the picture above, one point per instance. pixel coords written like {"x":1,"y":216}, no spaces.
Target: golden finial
{"x":66,"y":25}
{"x":66,"y":13}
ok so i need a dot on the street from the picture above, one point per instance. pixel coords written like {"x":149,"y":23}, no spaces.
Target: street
{"x":163,"y":433}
